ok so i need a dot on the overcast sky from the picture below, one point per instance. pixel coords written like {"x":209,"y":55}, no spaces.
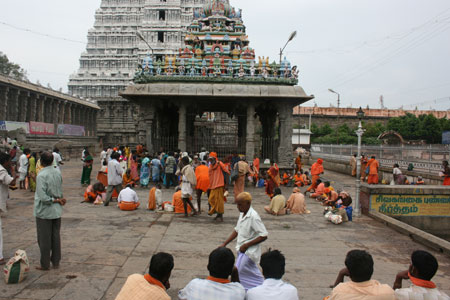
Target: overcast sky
{"x":360,"y":48}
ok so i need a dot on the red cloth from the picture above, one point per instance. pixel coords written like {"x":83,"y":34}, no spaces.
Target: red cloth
{"x":202,"y":175}
{"x":422,"y":283}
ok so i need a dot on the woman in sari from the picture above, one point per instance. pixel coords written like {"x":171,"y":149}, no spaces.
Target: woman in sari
{"x":134,"y":166}
{"x":273,"y":179}
{"x":87,"y":169}
{"x":32,"y":171}
{"x":145,"y":172}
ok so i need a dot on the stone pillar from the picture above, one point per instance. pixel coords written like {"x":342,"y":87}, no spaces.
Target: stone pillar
{"x":149,"y":117}
{"x":285,"y":131}
{"x":182,"y":127}
{"x":31,"y":115}
{"x":250,"y":132}
{"x":24,"y":106}
{"x":94,"y":125}
{"x":40,"y":109}
{"x":4,"y":90}
{"x":62,"y":112}
{"x":68,"y":113}
{"x":56,"y":112}
{"x":14,"y":105}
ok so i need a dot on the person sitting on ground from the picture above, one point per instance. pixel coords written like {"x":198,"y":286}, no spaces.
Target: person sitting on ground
{"x":152,"y":285}
{"x":277,"y":204}
{"x":128,"y":179}
{"x":177,"y":202}
{"x":305,"y":176}
{"x":319,"y":191}
{"x":421,"y":270}
{"x":217,"y":285}
{"x":95,"y":193}
{"x":298,"y":179}
{"x":287,"y":178}
{"x":329,"y":197}
{"x":273,"y":266}
{"x":155,"y":198}
{"x":359,"y":267}
{"x":296,"y":203}
{"x":128,"y":199}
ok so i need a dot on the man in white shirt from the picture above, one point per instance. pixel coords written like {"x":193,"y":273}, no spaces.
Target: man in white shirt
{"x":115,"y":173}
{"x":5,"y":181}
{"x":250,"y":232}
{"x":128,"y":199}
{"x":273,"y":264}
{"x":23,"y":168}
{"x":57,"y":160}
{"x":217,"y":286}
{"x":422,"y":269}
{"x":102,"y":156}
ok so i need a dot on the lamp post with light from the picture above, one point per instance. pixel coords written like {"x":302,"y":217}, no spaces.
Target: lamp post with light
{"x":359,"y":133}
{"x":291,"y":37}
{"x":339,"y":98}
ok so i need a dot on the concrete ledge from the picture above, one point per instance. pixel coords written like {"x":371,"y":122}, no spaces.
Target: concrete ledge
{"x":417,"y":235}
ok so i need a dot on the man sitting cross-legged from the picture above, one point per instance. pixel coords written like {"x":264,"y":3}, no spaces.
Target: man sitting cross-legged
{"x":272,"y":264}
{"x":217,"y":286}
{"x":359,"y":267}
{"x":151,"y":286}
{"x":421,"y":270}
{"x":128,"y":199}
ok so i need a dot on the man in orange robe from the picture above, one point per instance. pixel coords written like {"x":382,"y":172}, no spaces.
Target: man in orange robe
{"x":273,"y":179}
{"x":298,"y":163}
{"x":178,"y":204}
{"x":256,"y":163}
{"x":298,"y":179}
{"x":202,"y":175}
{"x":320,"y":190}
{"x":373,"y":165}
{"x":316,"y":170}
{"x":217,"y":186}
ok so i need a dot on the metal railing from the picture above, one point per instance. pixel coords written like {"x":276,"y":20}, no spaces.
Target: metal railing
{"x":426,"y":158}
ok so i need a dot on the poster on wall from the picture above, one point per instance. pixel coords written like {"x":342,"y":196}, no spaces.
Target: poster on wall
{"x":42,"y":128}
{"x":10,"y":126}
{"x":74,"y":130}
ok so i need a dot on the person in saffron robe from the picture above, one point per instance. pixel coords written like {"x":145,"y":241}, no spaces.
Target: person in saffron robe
{"x":155,"y":198}
{"x":422,"y":269}
{"x":32,"y":171}
{"x":272,"y":179}
{"x":202,"y":175}
{"x":145,"y":172}
{"x":353,"y":165}
{"x":364,"y":166}
{"x":95,"y":193}
{"x":445,"y":173}
{"x":299,"y":179}
{"x":320,"y":190}
{"x":298,"y":163}
{"x":243,"y":169}
{"x":177,"y":202}
{"x":330,"y":197}
{"x":128,"y":199}
{"x":373,"y":165}
{"x":128,"y":179}
{"x":256,"y":164}
{"x":250,"y":233}
{"x":217,"y":186}
{"x":296,"y":203}
{"x":316,"y":171}
{"x":87,"y":168}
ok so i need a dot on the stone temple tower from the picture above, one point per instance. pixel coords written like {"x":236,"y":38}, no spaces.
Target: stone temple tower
{"x":114,"y":50}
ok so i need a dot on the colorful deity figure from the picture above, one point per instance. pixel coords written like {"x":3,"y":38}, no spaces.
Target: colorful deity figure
{"x":217,"y":71}
{"x":181,"y":68}
{"x":204,"y":71}
{"x":294,"y":72}
{"x":252,"y":69}
{"x":241,"y":73}
{"x":230,"y":68}
{"x":264,"y":72}
{"x":237,"y":44}
{"x":198,"y":44}
{"x":169,"y":70}
{"x":192,"y":71}
{"x":286,"y":71}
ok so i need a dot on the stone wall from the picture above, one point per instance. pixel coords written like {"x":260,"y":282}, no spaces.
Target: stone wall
{"x":300,"y":121}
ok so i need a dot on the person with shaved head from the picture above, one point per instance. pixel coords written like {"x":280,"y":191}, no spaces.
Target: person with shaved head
{"x":250,"y":233}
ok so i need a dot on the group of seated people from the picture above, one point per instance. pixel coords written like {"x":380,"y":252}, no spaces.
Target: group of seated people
{"x":294,"y":205}
{"x":223,"y":281}
{"x":299,"y":179}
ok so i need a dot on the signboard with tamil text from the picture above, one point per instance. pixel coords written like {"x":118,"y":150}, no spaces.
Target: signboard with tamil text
{"x":411,"y":205}
{"x":10,"y":126}
{"x":42,"y":128}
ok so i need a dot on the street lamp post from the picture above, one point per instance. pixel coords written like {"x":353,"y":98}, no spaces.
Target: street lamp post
{"x":291,"y":37}
{"x":139,"y":35}
{"x":339,"y":98}
{"x":359,"y":133}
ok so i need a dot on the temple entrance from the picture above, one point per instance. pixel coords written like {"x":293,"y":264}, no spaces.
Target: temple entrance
{"x":215,"y":131}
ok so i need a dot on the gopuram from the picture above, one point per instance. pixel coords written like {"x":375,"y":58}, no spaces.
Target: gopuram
{"x":216,"y":77}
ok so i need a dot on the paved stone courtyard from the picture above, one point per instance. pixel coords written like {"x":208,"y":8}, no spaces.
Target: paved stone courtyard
{"x":102,"y":245}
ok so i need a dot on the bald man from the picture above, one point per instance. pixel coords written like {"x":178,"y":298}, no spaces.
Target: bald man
{"x":250,"y":232}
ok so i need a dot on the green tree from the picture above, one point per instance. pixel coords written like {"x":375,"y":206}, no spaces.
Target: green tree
{"x":11,"y":69}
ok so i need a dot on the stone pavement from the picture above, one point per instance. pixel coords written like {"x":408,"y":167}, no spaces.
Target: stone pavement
{"x":102,"y":245}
